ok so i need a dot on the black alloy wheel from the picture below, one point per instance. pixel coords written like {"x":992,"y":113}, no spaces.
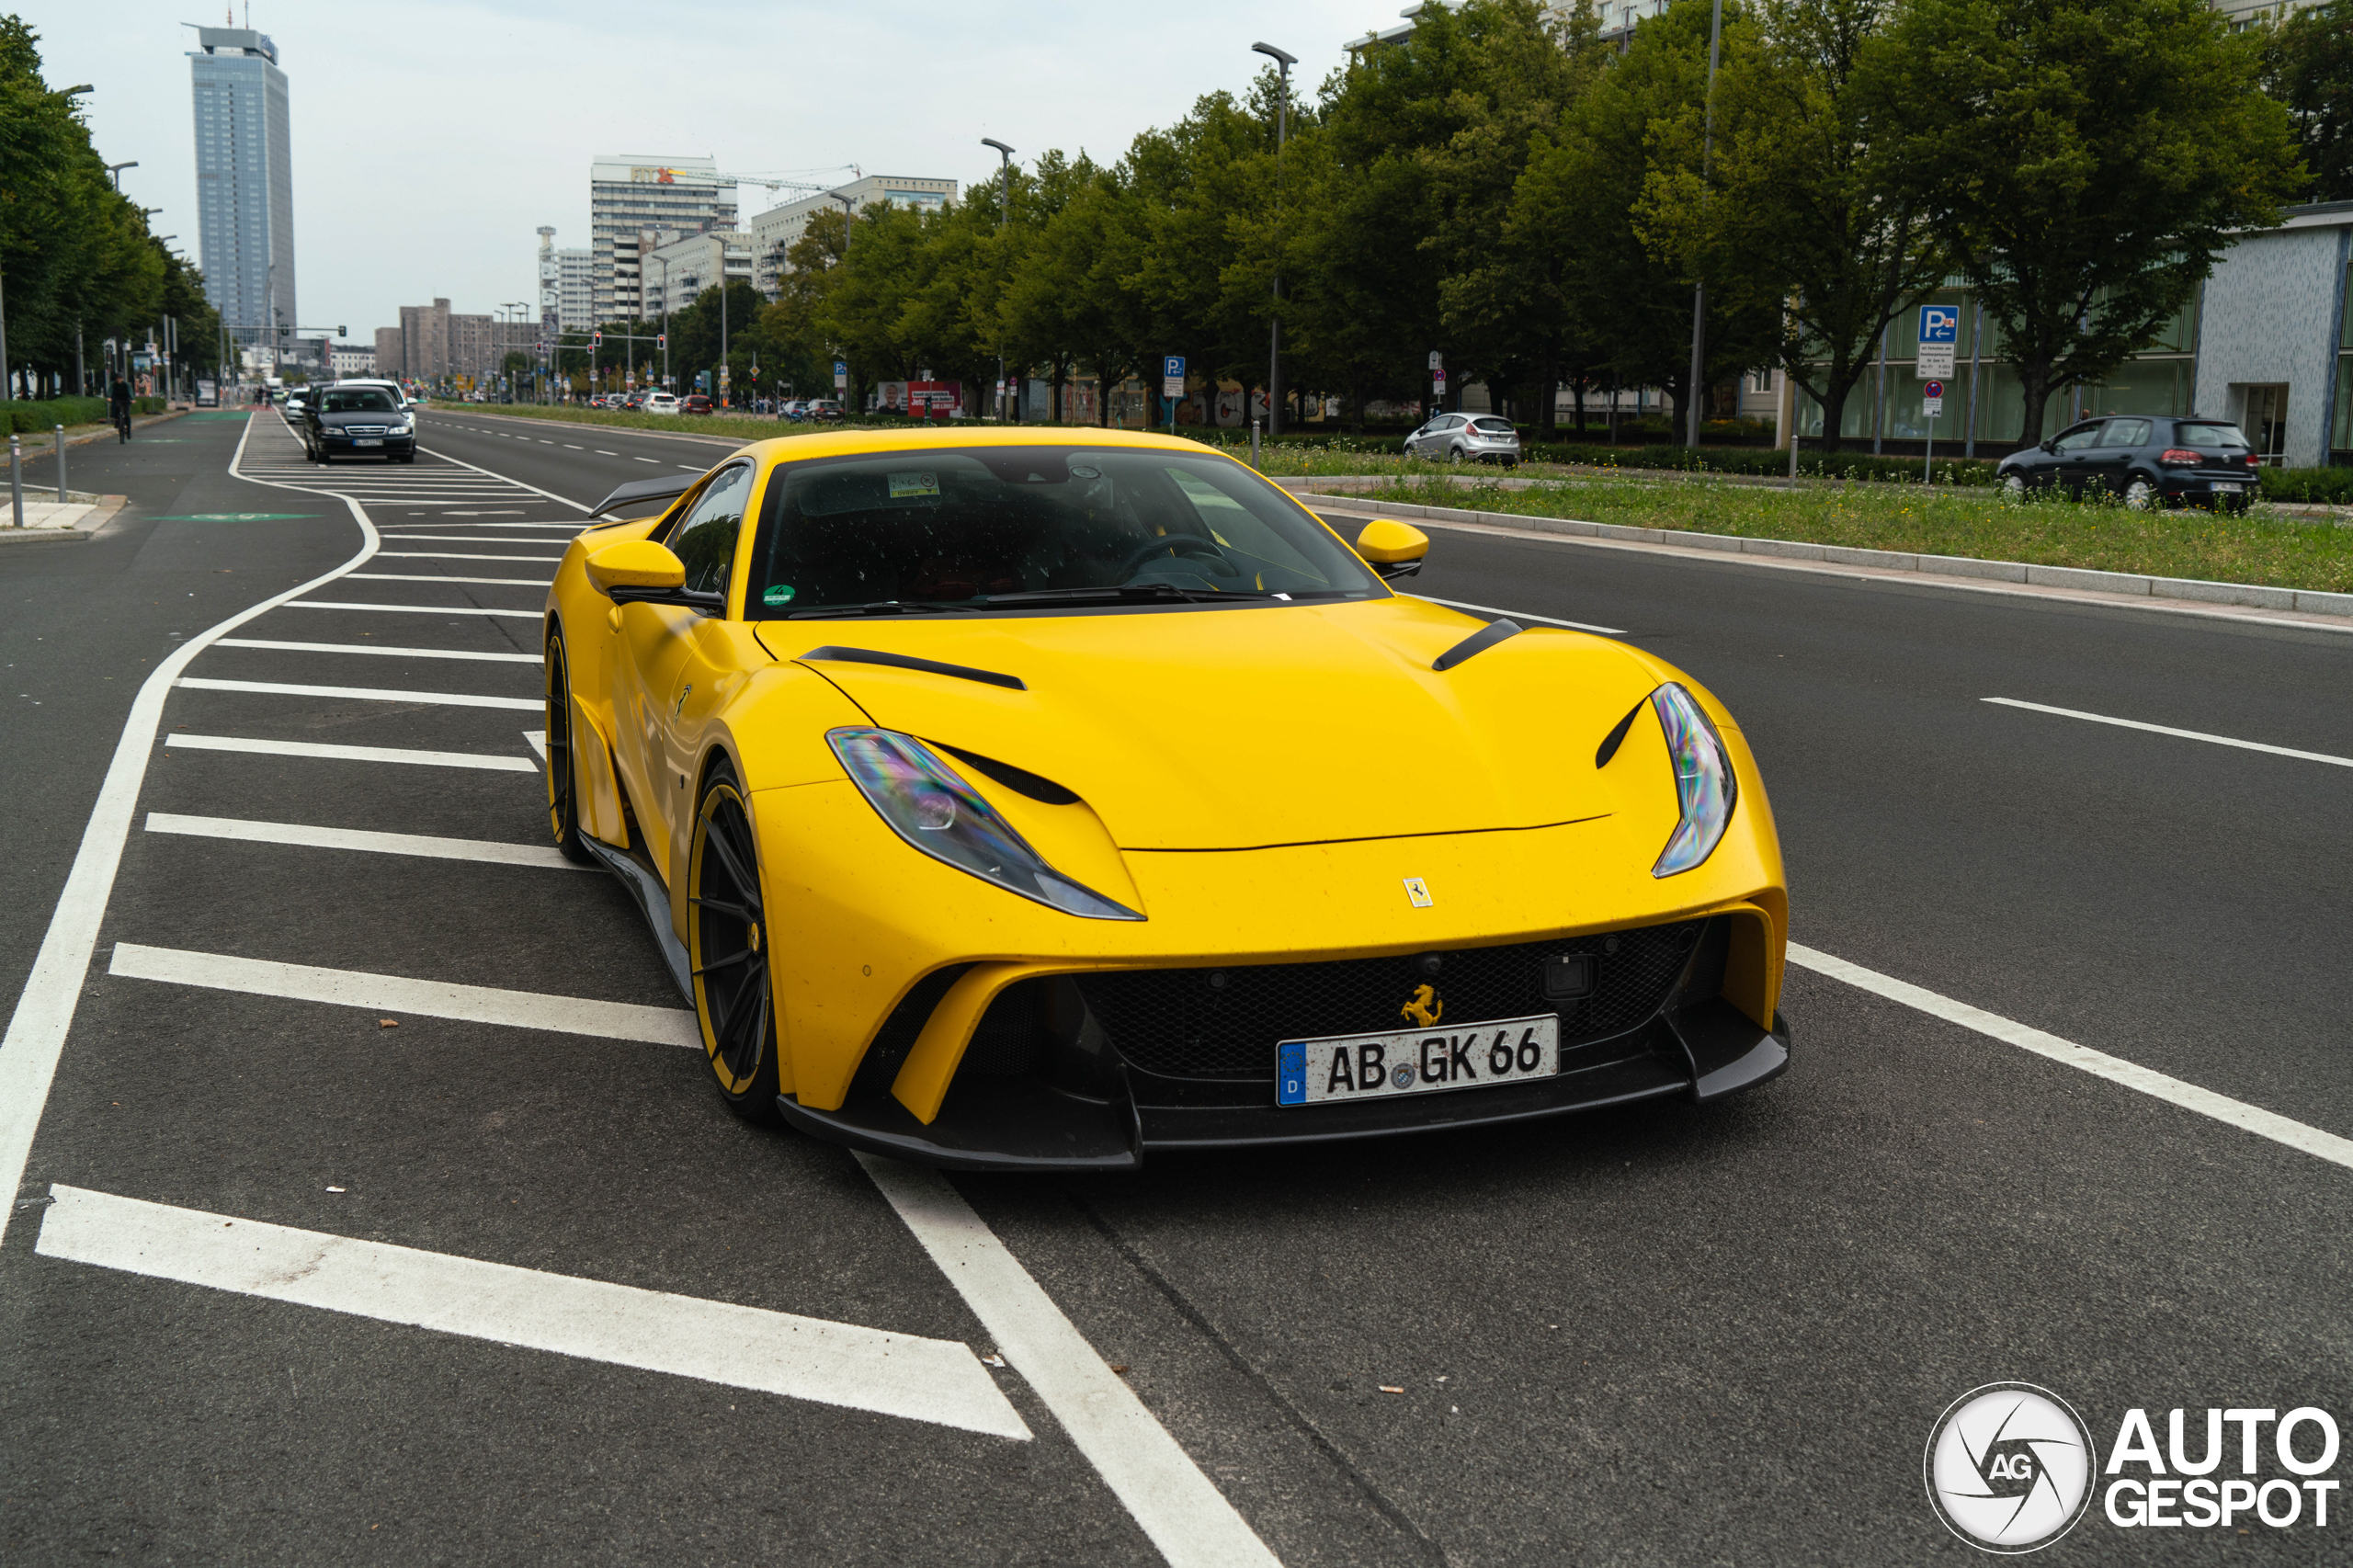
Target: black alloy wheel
{"x":564,"y":800}
{"x":728,"y":945}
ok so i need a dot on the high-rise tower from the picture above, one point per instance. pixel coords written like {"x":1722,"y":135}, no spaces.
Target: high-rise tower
{"x":245,"y":183}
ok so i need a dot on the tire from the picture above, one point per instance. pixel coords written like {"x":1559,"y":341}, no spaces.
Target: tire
{"x":727,"y":948}
{"x":1455,"y":455}
{"x":563,"y":803}
{"x":2013,"y":488}
{"x":2141,"y":496}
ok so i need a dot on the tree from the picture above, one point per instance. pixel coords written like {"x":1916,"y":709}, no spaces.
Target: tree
{"x":2088,"y":160}
{"x":1577,"y":204}
{"x":2308,"y":67}
{"x":1799,"y":214}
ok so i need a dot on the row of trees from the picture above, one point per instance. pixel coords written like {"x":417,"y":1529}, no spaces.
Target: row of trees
{"x":77,"y":264}
{"x":1504,"y":189}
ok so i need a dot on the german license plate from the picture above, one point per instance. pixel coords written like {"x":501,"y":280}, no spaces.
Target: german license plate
{"x":2227,"y":487}
{"x":1360,"y":1067}
{"x":366,"y":440}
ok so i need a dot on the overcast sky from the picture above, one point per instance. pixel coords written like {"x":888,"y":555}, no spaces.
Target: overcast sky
{"x":432,"y":137}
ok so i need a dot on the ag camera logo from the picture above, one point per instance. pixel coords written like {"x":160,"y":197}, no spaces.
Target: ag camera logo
{"x":2010,"y":1468}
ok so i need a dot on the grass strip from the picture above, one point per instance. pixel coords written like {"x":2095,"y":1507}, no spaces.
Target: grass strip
{"x":2253,"y":547}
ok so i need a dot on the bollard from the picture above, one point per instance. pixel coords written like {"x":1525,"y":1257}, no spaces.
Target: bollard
{"x":58,"y":434}
{"x":1254,"y":443}
{"x":16,"y":477}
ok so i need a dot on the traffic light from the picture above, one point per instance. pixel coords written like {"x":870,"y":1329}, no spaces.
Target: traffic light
{"x":661,"y":340}
{"x":596,"y":340}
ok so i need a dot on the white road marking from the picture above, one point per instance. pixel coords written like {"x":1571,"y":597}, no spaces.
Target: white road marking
{"x":1177,"y":1506}
{"x":690,"y":467}
{"x":543,"y":855}
{"x":561,"y":501}
{"x":481,"y":582}
{"x":399,"y":994}
{"x":1523,"y":615}
{"x":491,"y":761}
{"x":372,"y":648}
{"x":572,"y":446}
{"x":938,"y":1380}
{"x":365,"y":693}
{"x":2179,"y":734}
{"x":466,"y":555}
{"x":44,"y":1009}
{"x":409,"y":610}
{"x":2115,"y":1069}
{"x":643,"y":459}
{"x":602,"y":453}
{"x":537,"y":741}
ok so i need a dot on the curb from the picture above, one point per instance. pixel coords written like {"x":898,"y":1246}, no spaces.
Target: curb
{"x":2129,"y":585}
{"x":105,"y":510}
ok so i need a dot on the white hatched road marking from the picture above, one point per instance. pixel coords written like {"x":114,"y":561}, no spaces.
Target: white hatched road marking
{"x":462,"y":555}
{"x":400,"y":993}
{"x":410,"y":609}
{"x":431,"y":578}
{"x":2169,"y":729}
{"x":352,"y":753}
{"x":372,"y":648}
{"x":2099,"y":1063}
{"x":392,"y":537}
{"x":366,"y":693}
{"x":544,"y":857}
{"x":937,"y":1381}
{"x":1178,"y":1507}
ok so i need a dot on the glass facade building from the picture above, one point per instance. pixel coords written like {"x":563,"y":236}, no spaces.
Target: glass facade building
{"x":245,"y":183}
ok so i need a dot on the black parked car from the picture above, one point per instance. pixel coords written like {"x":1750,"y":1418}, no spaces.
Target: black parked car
{"x":2149,"y":460}
{"x":371,"y":420}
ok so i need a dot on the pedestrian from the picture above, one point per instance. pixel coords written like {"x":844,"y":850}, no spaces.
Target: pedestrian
{"x":119,"y":408}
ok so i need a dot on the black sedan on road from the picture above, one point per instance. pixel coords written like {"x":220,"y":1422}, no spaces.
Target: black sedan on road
{"x":366,"y":421}
{"x":2147,"y":460}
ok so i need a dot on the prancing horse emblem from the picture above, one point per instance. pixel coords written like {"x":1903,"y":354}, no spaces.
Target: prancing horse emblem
{"x":1425,"y":1008}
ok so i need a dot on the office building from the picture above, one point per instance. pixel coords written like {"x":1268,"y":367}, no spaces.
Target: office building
{"x":434,"y":343}
{"x":351,"y":359}
{"x":575,"y":288}
{"x":677,"y":272}
{"x":777,"y":231}
{"x":245,"y":183}
{"x":628,"y":192}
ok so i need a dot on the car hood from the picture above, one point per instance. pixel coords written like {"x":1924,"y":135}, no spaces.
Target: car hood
{"x":1234,"y":729}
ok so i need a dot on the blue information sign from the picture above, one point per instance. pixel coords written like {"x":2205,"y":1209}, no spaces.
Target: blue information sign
{"x":1172,"y":365}
{"x":1939,"y":323}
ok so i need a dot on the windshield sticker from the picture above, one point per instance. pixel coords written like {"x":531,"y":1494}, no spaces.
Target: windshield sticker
{"x":1078,"y":472}
{"x":905,"y":485}
{"x":779,"y":595}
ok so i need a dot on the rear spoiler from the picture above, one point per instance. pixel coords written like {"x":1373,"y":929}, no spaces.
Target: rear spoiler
{"x":665,"y":487}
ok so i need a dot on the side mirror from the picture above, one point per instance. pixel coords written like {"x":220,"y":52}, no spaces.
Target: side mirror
{"x":2049,"y":445}
{"x":638,"y":570}
{"x":1393,"y":549}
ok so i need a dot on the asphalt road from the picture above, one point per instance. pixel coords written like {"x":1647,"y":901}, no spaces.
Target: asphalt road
{"x":1719,"y":1334}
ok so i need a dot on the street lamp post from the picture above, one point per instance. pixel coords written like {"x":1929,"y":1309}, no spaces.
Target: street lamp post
{"x":1699,"y":289}
{"x":1004,"y":212}
{"x":116,"y":170}
{"x":1283,"y":62}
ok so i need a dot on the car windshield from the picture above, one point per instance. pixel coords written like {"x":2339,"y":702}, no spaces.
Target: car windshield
{"x":356,"y":400}
{"x":2209,"y":436}
{"x":955,"y":528}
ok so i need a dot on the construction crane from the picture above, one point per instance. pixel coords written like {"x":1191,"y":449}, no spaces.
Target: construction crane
{"x":772,"y":180}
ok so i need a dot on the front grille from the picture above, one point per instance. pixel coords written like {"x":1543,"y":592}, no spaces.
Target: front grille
{"x":364,"y":429}
{"x":1192,"y":1023}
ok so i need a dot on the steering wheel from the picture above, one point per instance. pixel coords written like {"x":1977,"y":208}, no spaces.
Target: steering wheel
{"x":1169,"y":542}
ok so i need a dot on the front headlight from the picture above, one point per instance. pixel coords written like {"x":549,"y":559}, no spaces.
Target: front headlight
{"x":1704,"y":786}
{"x":929,"y":806}
{"x":398,"y":430}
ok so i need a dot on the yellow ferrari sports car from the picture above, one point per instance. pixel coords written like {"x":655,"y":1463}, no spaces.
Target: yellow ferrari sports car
{"x":1014,"y":799}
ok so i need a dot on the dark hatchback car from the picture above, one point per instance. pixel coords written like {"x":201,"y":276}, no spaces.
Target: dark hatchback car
{"x":2147,"y":460}
{"x":367,"y":421}
{"x":694,"y":403}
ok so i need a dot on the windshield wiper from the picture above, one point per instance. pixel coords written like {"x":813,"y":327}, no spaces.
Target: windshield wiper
{"x":1124,"y":593}
{"x":877,"y":606}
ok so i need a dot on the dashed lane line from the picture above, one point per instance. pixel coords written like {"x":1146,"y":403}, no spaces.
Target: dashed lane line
{"x":544,"y":857}
{"x":2169,"y":729}
{"x":398,"y":755}
{"x":409,"y":610}
{"x":431,"y":577}
{"x":1523,"y":615}
{"x":395,"y":535}
{"x":654,"y":461}
{"x":384,"y":652}
{"x":935,"y":1381}
{"x":2099,"y":1063}
{"x":401,"y":993}
{"x":1179,"y":1508}
{"x":364,"y":693}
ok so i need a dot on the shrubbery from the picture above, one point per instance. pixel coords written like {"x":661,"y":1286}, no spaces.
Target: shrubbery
{"x":34,"y":417}
{"x":2332,"y":486}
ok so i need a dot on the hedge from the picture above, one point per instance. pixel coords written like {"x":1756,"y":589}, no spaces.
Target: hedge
{"x":34,"y":417}
{"x":2332,"y":486}
{"x":1752,"y":460}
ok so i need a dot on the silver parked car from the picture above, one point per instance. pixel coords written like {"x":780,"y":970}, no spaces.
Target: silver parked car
{"x":1466,"y":438}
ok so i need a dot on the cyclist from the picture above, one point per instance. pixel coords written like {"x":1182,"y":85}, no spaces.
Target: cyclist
{"x":119,"y":407}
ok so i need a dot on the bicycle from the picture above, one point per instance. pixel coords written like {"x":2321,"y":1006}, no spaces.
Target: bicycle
{"x":122,"y":425}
